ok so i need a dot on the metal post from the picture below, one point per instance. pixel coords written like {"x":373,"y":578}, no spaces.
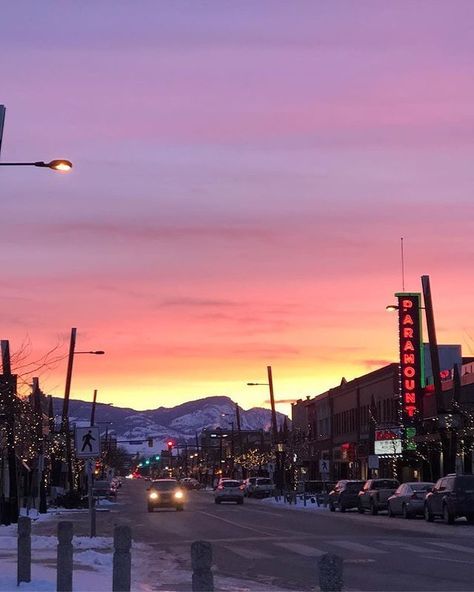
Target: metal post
{"x":65,"y":414}
{"x":64,"y":557}
{"x":122,"y":562}
{"x":24,"y":550}
{"x":201,"y":563}
{"x":330,"y":573}
{"x":90,"y":492}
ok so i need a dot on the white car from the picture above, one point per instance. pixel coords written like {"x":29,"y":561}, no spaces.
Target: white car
{"x":258,"y":487}
{"x":229,"y":490}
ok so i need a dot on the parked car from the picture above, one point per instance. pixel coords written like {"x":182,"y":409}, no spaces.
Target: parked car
{"x":103,"y":489}
{"x":190,"y":483}
{"x":258,"y":487}
{"x":451,"y":497}
{"x":345,"y":495}
{"x":375,"y":493}
{"x":229,"y":490}
{"x":409,"y":499}
{"x":165,"y":493}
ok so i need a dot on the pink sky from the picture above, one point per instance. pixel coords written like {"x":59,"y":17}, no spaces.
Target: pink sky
{"x":243,"y":175}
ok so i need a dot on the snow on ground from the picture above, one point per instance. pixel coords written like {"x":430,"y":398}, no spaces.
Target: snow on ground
{"x":311,"y":503}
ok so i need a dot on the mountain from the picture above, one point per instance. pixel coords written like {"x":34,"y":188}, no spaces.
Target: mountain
{"x":180,"y":423}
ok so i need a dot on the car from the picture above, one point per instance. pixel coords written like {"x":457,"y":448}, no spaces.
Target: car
{"x":409,"y":499}
{"x":345,"y":495}
{"x":258,"y":487}
{"x":229,"y":490}
{"x":165,"y":493}
{"x":190,"y":483}
{"x":375,"y":493}
{"x":103,"y":489}
{"x":451,"y":497}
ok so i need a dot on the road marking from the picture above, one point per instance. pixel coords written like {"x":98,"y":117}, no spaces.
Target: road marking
{"x":248,"y":553}
{"x":454,"y":547}
{"x":438,"y":558}
{"x":358,"y":547}
{"x":406,"y":546}
{"x":301,"y":549}
{"x":236,"y":524}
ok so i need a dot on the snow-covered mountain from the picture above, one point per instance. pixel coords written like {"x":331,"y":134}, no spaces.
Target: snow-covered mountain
{"x":180,"y":423}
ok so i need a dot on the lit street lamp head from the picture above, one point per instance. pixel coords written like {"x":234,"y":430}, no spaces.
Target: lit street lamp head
{"x":61,"y":165}
{"x":391,"y":308}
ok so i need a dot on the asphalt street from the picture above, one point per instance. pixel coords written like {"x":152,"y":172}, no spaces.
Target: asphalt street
{"x":264,"y":544}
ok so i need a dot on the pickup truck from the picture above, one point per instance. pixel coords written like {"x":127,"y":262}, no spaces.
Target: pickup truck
{"x":375,"y":493}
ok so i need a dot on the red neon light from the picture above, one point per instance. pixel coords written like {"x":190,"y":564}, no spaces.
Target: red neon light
{"x":410,"y":355}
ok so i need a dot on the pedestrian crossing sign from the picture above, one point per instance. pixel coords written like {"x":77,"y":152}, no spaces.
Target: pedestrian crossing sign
{"x":87,"y":442}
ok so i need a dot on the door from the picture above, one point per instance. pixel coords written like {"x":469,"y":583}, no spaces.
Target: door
{"x":436,"y":500}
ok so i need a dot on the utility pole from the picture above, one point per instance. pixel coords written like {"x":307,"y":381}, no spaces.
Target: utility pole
{"x":237,"y":415}
{"x":94,"y":400}
{"x":8,"y":391}
{"x":65,"y":414}
{"x":42,"y":507}
{"x":272,"y":403}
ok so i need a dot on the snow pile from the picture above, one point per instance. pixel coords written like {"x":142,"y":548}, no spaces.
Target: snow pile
{"x":311,"y":503}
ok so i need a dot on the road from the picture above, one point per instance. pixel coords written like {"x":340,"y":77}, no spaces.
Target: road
{"x":264,"y":544}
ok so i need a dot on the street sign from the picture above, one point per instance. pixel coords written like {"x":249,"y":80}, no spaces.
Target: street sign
{"x":324,"y":466}
{"x":373,"y":461}
{"x":87,"y":442}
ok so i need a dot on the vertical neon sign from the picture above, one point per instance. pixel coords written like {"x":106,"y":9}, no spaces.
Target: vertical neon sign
{"x":411,"y":358}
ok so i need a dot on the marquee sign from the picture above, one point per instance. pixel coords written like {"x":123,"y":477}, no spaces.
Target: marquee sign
{"x":388,"y":442}
{"x":411,"y":358}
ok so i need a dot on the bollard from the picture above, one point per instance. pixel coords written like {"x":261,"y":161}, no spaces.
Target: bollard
{"x":122,"y":569}
{"x":330,"y":573}
{"x":24,"y":550}
{"x":64,"y":560}
{"x":201,"y":562}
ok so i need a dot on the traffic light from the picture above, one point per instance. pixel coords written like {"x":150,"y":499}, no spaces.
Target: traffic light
{"x":157,"y":457}
{"x":150,"y":442}
{"x":170,"y":445}
{"x":147,"y":462}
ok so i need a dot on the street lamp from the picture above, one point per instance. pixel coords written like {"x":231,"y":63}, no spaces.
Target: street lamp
{"x":280,"y":459}
{"x":59,"y":164}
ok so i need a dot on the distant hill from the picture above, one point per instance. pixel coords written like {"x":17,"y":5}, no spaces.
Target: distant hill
{"x":179,"y":423}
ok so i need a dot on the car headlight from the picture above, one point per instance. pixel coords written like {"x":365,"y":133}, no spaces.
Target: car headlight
{"x":178,"y":495}
{"x":153,"y":495}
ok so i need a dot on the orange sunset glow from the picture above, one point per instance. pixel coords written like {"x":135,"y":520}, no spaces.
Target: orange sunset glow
{"x":238,"y":194}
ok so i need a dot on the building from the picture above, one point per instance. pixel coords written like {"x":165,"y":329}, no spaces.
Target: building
{"x":336,"y":424}
{"x":348,"y":424}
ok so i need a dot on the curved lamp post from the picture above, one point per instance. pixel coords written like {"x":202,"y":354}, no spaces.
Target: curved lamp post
{"x":64,"y":166}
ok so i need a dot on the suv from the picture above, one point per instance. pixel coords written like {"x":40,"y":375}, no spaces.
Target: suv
{"x":345,"y":495}
{"x":258,"y":487}
{"x":375,"y":493}
{"x":451,"y":497}
{"x":165,"y":493}
{"x":229,"y":490}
